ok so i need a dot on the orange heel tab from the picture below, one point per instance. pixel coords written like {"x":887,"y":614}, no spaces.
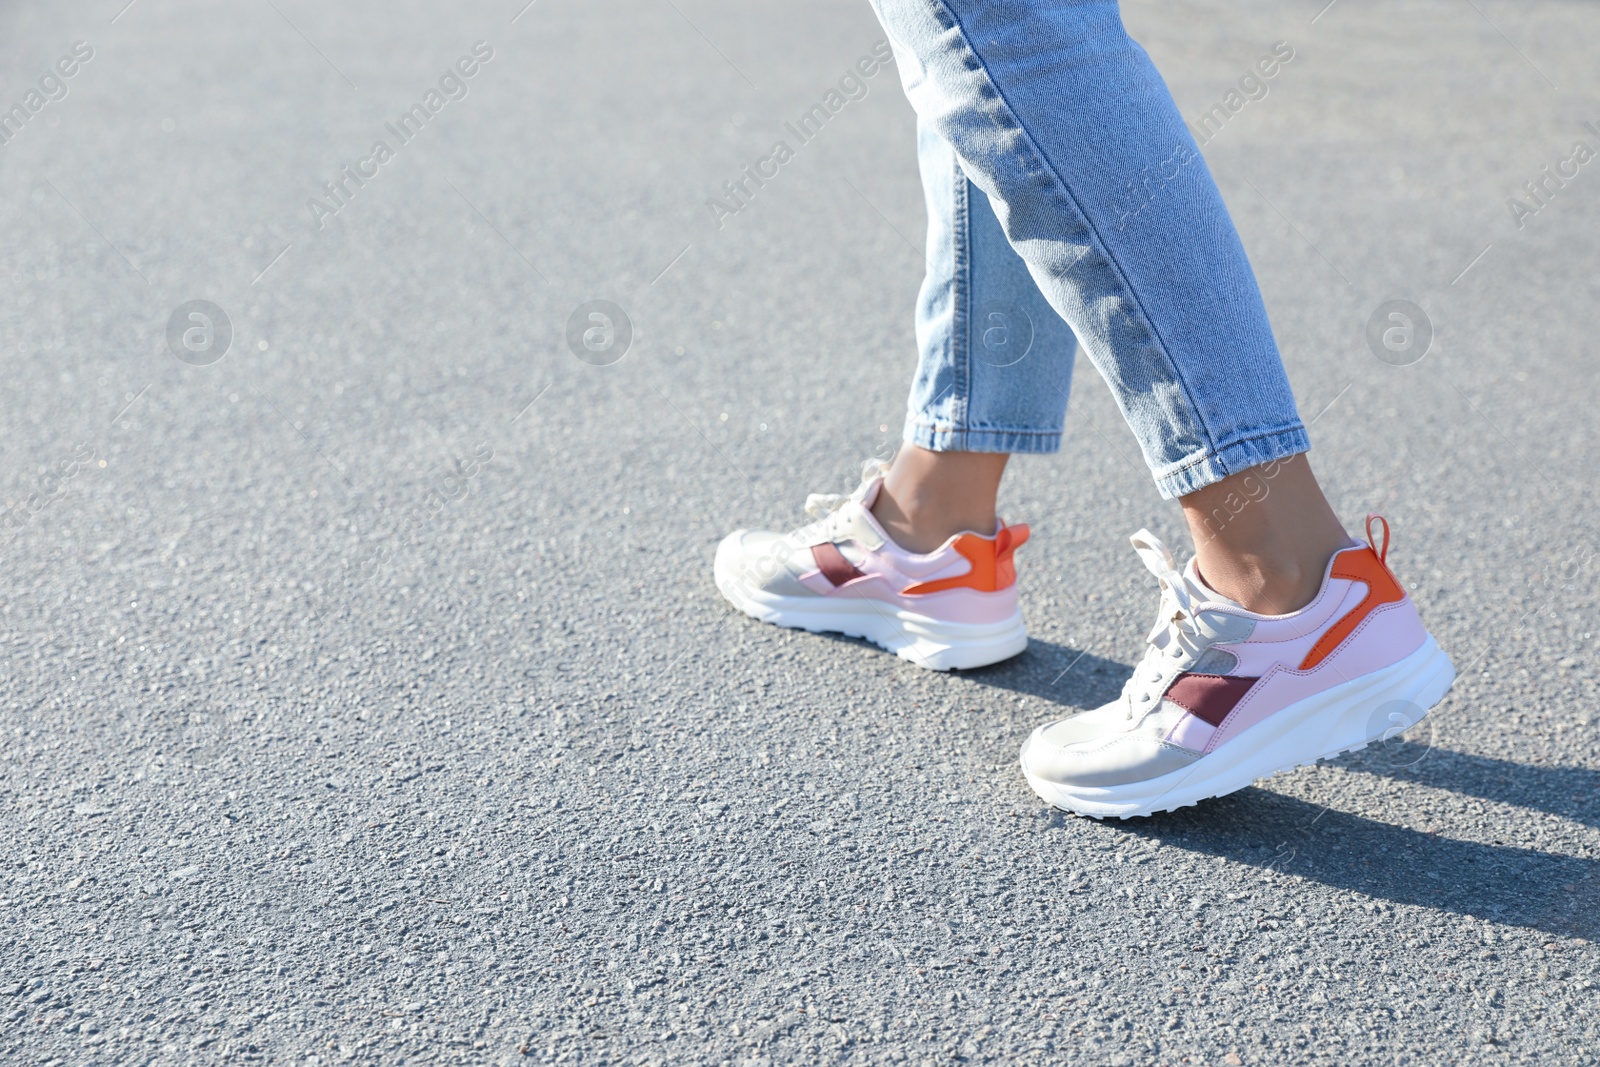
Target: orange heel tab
{"x":992,"y":566}
{"x":1011,"y":538}
{"x":1006,"y":541}
{"x":1367,"y":566}
{"x":1383,"y":553}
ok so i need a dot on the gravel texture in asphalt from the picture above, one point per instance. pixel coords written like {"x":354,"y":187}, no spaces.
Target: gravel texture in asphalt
{"x":366,"y":694}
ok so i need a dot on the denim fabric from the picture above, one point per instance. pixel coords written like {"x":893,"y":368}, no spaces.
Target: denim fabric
{"x":1061,"y":120}
{"x":996,"y":360}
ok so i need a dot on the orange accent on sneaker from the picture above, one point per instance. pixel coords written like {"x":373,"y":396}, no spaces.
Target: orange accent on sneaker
{"x":1383,"y":553}
{"x":992,"y":566}
{"x":1357,"y":565}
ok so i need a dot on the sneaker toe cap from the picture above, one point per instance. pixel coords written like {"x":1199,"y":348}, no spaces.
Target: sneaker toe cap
{"x":762,"y":561}
{"x":1081,"y":752}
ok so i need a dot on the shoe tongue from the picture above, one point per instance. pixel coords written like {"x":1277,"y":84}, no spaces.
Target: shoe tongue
{"x":867,"y":493}
{"x":1192,"y":572}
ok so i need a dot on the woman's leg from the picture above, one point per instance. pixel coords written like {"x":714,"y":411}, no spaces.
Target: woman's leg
{"x":1062,"y":120}
{"x":994,"y":367}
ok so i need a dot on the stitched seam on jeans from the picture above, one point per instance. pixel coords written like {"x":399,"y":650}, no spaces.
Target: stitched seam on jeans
{"x":963,"y":428}
{"x":962,"y":281}
{"x":1214,"y":453}
{"x":1105,"y":251}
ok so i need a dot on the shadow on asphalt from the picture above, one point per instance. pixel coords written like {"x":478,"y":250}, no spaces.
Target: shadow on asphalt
{"x":1569,"y":792}
{"x":1499,"y":881}
{"x":1073,"y":678}
{"x":1067,"y":676}
{"x":1502,"y":882}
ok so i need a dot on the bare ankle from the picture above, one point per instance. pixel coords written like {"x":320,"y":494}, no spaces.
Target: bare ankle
{"x":1267,"y":589}
{"x":1263,"y":537}
{"x":928,"y":497}
{"x":918,"y":527}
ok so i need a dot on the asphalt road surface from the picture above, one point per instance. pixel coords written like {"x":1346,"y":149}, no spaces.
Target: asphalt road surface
{"x":366,"y":693}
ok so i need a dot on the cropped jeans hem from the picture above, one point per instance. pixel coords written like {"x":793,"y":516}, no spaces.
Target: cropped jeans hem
{"x":943,"y":437}
{"x":1211,"y":467}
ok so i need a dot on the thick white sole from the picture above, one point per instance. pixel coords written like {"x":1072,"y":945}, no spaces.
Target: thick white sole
{"x":1348,"y":717}
{"x":927,"y":642}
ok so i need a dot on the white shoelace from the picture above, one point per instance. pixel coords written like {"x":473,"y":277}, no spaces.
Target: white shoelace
{"x":824,"y":506}
{"x":1176,"y":633}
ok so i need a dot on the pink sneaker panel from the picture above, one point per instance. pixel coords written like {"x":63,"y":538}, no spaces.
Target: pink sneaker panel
{"x":900,"y":568}
{"x":1289,"y":639}
{"x":950,"y":605}
{"x":1191,"y":732}
{"x":1385,"y":637}
{"x":817,"y":582}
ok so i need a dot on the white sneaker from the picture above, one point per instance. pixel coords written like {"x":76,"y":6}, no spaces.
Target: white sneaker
{"x":1225,"y":696}
{"x":955,"y":607}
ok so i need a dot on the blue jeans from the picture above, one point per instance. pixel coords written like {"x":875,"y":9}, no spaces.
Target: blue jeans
{"x":1066,"y":197}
